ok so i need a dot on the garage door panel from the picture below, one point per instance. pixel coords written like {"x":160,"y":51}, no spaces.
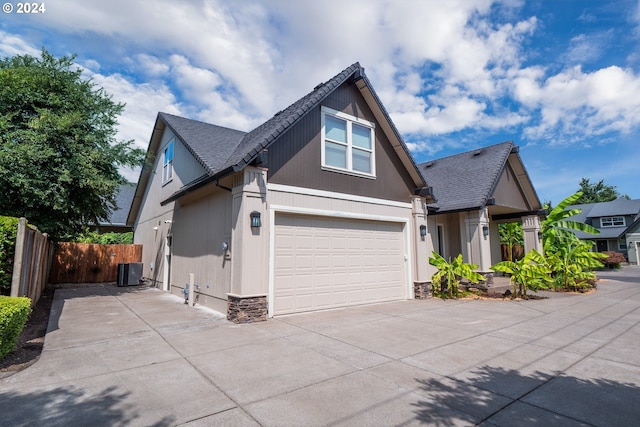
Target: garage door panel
{"x":333,"y":262}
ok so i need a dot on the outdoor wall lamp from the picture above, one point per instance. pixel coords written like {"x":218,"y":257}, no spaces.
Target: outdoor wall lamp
{"x":256,"y":222}
{"x":485,"y":230}
{"x":540,"y":235}
{"x":423,"y":231}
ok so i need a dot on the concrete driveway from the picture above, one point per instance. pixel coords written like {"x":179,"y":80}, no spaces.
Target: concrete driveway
{"x":120,"y":356}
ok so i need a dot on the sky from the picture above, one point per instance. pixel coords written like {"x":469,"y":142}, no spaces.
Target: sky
{"x":559,"y":78}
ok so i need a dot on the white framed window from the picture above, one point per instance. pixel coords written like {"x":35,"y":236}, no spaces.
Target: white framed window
{"x":622,"y":245}
{"x":167,"y":163}
{"x":348,"y":143}
{"x":612,"y":221}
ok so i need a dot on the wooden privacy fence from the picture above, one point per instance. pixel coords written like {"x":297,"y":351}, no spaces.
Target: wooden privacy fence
{"x":31,"y":262}
{"x":90,"y":263}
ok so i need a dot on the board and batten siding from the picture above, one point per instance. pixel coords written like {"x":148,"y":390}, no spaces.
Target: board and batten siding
{"x":295,"y":158}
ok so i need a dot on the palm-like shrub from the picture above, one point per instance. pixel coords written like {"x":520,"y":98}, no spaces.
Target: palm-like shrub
{"x":530,"y":272}
{"x":572,"y":264}
{"x":511,"y":234}
{"x":557,"y":229}
{"x":451,"y":272}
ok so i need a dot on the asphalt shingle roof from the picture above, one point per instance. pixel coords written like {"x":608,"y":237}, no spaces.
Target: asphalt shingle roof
{"x":123,"y":203}
{"x":618,"y":207}
{"x":211,"y":145}
{"x":466,"y":181}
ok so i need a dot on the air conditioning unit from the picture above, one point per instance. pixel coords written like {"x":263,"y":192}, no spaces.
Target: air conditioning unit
{"x":129,"y":274}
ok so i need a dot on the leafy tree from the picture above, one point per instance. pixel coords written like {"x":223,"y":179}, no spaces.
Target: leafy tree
{"x":59,"y":157}
{"x":530,"y":272}
{"x":597,"y":192}
{"x":511,"y":234}
{"x":452,"y":272}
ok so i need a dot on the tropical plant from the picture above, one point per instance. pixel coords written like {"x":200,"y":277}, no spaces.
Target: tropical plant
{"x":572,"y":264}
{"x":557,"y":230}
{"x":530,"y":272}
{"x":451,"y":272}
{"x":511,"y":234}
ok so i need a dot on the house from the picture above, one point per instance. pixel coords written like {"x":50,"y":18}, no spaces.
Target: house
{"x":117,"y":222}
{"x":618,"y":222}
{"x":474,"y":192}
{"x":322,"y":206}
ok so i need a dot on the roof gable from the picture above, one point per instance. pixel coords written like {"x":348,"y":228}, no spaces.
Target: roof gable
{"x":465,"y":181}
{"x":240,"y":152}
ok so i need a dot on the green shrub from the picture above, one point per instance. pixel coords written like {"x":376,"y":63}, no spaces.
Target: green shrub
{"x":13,"y":316}
{"x":110,"y":238}
{"x":8,"y":230}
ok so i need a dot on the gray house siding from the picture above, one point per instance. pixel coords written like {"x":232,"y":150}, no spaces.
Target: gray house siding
{"x":295,"y":159}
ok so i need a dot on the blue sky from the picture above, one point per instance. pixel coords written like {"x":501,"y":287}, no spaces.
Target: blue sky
{"x":559,"y":78}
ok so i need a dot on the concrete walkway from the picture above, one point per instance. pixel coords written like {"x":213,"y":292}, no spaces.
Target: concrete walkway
{"x":120,"y":356}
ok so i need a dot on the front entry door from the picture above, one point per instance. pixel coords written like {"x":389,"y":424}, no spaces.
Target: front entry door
{"x":602,"y":245}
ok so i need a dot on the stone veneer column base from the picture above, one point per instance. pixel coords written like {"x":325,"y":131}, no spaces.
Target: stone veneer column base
{"x":488,"y":276}
{"x":422,"y":290}
{"x":246,"y":309}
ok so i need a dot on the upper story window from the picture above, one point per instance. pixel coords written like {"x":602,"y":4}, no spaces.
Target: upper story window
{"x":167,"y":168}
{"x":348,"y":143}
{"x":612,"y":221}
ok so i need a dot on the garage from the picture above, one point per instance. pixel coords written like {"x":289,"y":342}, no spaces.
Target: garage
{"x":326,"y":262}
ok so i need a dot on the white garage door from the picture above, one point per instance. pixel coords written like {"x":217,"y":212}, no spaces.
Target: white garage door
{"x":325,"y":262}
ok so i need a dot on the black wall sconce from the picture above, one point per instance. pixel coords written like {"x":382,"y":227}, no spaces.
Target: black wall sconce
{"x":540,"y":236}
{"x":423,"y":231}
{"x":485,"y":230}
{"x":256,"y":222}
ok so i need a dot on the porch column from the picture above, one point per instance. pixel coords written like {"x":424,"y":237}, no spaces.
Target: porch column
{"x":422,"y":245}
{"x":478,"y":240}
{"x":247,"y":299}
{"x":531,"y":228}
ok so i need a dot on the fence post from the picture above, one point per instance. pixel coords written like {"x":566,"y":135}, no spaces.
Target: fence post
{"x":17,"y":259}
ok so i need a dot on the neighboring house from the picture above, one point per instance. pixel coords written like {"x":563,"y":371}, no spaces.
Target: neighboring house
{"x":618,"y":222}
{"x":117,"y":222}
{"x":474,"y":192}
{"x":321,"y":206}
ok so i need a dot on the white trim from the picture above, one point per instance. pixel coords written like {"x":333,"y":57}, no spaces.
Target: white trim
{"x":332,"y":195}
{"x":349,"y":147}
{"x":337,"y":214}
{"x":273,"y":209}
{"x":613,"y":219}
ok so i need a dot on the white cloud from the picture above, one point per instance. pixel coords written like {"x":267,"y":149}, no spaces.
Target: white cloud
{"x":582,"y":104}
{"x":439,"y":67}
{"x":11,"y":45}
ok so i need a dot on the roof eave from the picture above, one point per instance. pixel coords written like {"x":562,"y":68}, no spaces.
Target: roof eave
{"x":369,"y":94}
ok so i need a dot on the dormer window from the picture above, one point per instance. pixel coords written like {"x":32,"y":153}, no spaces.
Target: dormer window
{"x":348,"y":143}
{"x":167,"y":168}
{"x":612,"y":221}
